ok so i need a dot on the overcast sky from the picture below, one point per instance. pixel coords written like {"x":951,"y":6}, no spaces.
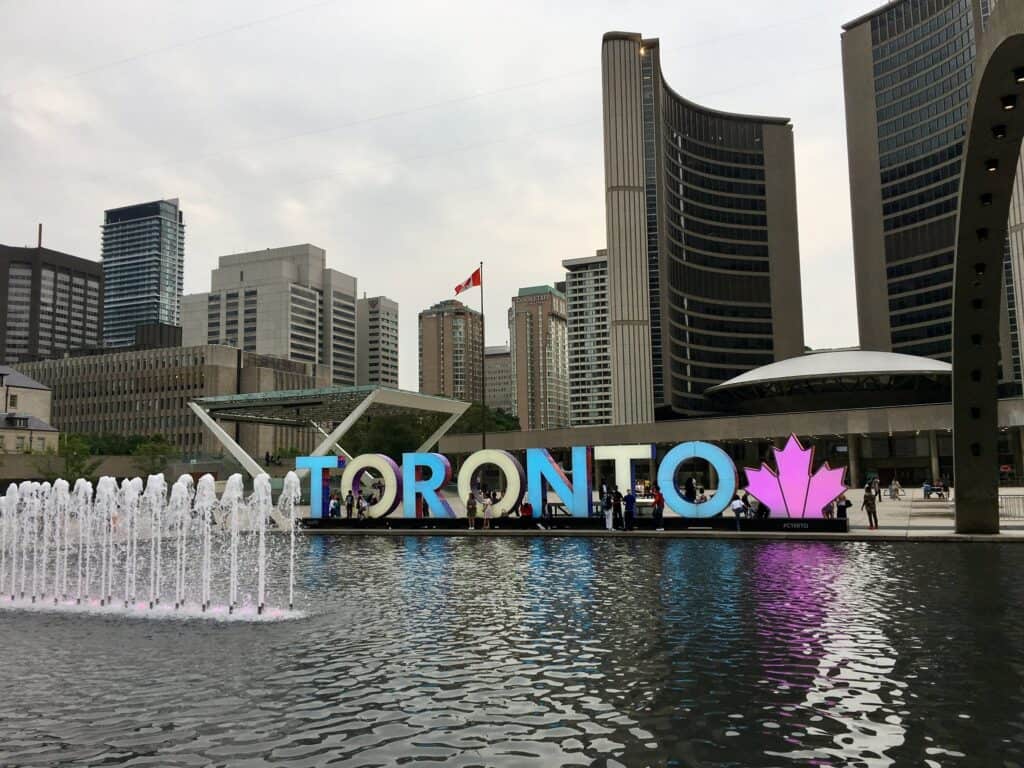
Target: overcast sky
{"x":410,"y":140}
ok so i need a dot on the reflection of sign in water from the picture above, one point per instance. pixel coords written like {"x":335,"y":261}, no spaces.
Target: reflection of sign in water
{"x":793,"y":489}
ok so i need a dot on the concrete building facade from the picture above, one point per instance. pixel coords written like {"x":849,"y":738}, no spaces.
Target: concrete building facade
{"x":538,"y":333}
{"x":25,"y":421}
{"x":703,"y":254}
{"x":377,"y":341}
{"x":590,"y":374}
{"x":279,"y":302}
{"x":143,"y":268}
{"x":450,"y":340}
{"x":501,"y":387}
{"x":908,"y":69}
{"x":146,"y":392}
{"x":50,"y":303}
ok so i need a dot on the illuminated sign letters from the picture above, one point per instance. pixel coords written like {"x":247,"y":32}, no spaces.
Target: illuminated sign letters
{"x":790,"y":490}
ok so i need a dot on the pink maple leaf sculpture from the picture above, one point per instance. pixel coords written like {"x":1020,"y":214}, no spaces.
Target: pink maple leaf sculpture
{"x":794,"y":489}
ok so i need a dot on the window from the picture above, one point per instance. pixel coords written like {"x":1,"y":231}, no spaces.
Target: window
{"x":12,"y":401}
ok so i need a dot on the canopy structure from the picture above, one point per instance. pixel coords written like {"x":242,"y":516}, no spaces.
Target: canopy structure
{"x":337,"y":409}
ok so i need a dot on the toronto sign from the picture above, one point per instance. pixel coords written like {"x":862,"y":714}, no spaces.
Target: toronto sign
{"x":791,"y":489}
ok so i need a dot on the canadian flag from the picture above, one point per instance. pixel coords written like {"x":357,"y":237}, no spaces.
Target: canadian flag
{"x":471,"y":281}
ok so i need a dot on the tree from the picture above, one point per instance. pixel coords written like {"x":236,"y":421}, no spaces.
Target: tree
{"x":497,"y":421}
{"x":72,"y":460}
{"x":153,"y":456}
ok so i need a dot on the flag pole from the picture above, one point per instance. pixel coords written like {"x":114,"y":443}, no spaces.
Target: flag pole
{"x":483,"y":366}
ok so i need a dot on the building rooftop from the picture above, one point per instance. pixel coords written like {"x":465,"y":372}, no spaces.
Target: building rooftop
{"x":837,"y":364}
{"x":870,"y":15}
{"x":13,"y":378}
{"x":539,"y":290}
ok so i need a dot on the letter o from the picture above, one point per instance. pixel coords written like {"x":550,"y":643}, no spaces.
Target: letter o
{"x":509,"y":466}
{"x":717,"y":458}
{"x":389,"y":473}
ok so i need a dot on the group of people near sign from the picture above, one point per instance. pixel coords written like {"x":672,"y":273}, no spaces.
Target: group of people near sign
{"x":481,"y":504}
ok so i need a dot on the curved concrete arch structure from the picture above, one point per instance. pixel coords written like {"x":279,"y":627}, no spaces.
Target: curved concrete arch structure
{"x":990,"y":162}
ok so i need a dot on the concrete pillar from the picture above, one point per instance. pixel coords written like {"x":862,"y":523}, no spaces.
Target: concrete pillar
{"x":1018,"y":454}
{"x":933,"y":455}
{"x":853,"y":459}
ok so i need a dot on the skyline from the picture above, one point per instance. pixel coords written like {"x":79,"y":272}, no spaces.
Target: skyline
{"x":485,"y":146}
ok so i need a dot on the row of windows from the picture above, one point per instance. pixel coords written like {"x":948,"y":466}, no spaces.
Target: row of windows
{"x":710,"y":198}
{"x":719,"y":326}
{"x":925,"y":332}
{"x":962,"y":77}
{"x":690,"y":256}
{"x":954,"y":118}
{"x":919,"y":83}
{"x":748,"y":360}
{"x":948,"y":26}
{"x":904,"y":19}
{"x":715,"y":169}
{"x":711,"y":129}
{"x":718,"y":246}
{"x":941,"y":312}
{"x":942,"y":277}
{"x":932,"y":110}
{"x":919,"y":265}
{"x":924,"y":180}
{"x":921,"y":299}
{"x":716,"y":153}
{"x":700,"y":227}
{"x":760,"y":312}
{"x":922,"y":214}
{"x":927,"y":238}
{"x":713,"y":184}
{"x":724,"y":217}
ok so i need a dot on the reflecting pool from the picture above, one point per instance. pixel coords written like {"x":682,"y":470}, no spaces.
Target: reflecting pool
{"x":550,"y":652}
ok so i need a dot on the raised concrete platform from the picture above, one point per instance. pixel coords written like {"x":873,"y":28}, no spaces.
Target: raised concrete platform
{"x":901,"y":520}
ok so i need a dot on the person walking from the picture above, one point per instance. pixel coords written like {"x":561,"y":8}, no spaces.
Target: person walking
{"x":471,"y":510}
{"x":658,"y":510}
{"x":870,"y":505}
{"x":350,"y":504}
{"x":629,"y":500}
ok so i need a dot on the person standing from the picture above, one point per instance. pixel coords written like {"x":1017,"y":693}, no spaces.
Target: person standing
{"x":471,"y":510}
{"x":658,"y":509}
{"x":842,"y":504}
{"x":876,"y":488}
{"x":690,"y":490}
{"x":616,"y":508}
{"x":361,"y":507}
{"x":869,"y":505}
{"x":334,"y":509}
{"x":350,"y":504}
{"x":526,"y":514}
{"x":606,"y":505}
{"x":488,"y":512}
{"x":629,"y":500}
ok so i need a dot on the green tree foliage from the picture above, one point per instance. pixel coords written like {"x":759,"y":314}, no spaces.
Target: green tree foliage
{"x":153,"y":456}
{"x":71,"y":461}
{"x":497,"y":421}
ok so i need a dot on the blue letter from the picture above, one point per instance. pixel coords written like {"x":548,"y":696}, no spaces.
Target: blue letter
{"x":718,"y":459}
{"x":541,"y":468}
{"x":316,"y":465}
{"x":440,"y":473}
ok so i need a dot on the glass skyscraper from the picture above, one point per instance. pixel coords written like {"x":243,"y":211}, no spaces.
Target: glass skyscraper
{"x":908,"y":70}
{"x":143,"y":268}
{"x":703,"y":253}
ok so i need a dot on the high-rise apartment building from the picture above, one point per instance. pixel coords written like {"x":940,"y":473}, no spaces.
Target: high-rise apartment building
{"x":377,"y":332}
{"x":540,"y":364}
{"x":143,"y":268}
{"x":451,"y":335}
{"x":908,"y":70}
{"x":501,"y":386}
{"x":50,"y":303}
{"x":282,"y":302}
{"x":703,"y":255}
{"x":590,"y":374}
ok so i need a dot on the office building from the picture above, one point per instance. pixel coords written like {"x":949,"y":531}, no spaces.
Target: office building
{"x":908,"y":70}
{"x":279,"y":302}
{"x":147,"y":392}
{"x":50,"y":303}
{"x":377,"y":333}
{"x":540,"y":365}
{"x":450,"y":338}
{"x":143,"y":268}
{"x":501,"y":387}
{"x":25,"y":420}
{"x":590,"y":374}
{"x":703,"y":255}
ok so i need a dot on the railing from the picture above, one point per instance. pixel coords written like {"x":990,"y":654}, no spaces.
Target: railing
{"x":1011,"y":507}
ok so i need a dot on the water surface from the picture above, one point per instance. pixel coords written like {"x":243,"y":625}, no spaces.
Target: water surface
{"x":550,"y":652}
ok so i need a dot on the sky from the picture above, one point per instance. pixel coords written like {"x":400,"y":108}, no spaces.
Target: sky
{"x":410,"y":140}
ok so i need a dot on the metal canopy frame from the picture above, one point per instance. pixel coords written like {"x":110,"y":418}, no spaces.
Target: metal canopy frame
{"x":341,"y":407}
